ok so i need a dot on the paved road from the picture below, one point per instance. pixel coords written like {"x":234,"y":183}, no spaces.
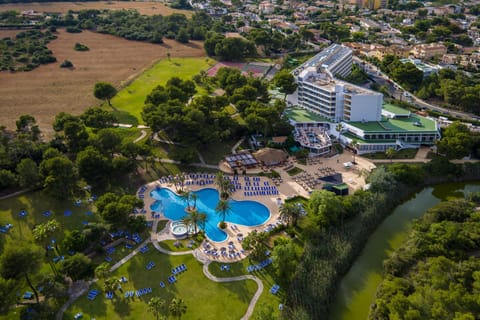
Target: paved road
{"x":397,"y":91}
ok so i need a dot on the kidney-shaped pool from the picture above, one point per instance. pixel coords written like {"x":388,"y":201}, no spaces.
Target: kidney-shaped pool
{"x":247,"y":213}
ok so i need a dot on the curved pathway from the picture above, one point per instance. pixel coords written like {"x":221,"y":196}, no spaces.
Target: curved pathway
{"x":197,"y":253}
{"x":256,"y":296}
{"x":143,"y":135}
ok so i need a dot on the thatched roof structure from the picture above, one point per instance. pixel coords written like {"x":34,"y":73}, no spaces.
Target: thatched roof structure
{"x":269,"y":156}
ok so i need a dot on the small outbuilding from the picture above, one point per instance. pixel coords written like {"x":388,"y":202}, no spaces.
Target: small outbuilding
{"x":270,"y":156}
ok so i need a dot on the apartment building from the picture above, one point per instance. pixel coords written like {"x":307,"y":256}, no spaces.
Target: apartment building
{"x":427,"y":51}
{"x":320,"y":92}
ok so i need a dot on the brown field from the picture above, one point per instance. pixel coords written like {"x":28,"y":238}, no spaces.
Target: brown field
{"x":49,"y":89}
{"x":147,"y":8}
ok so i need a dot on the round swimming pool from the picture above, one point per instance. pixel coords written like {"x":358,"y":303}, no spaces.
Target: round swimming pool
{"x":248,"y":213}
{"x":179,"y":229}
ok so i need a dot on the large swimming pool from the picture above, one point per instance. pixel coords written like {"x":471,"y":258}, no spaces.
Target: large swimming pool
{"x":248,"y":213}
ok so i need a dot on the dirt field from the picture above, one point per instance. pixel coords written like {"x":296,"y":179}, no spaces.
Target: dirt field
{"x":147,"y":8}
{"x":49,"y":89}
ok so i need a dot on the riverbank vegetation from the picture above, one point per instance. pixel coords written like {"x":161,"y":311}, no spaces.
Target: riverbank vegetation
{"x":335,"y":229}
{"x":435,"y":273}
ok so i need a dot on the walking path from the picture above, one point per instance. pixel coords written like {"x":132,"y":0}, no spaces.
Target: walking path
{"x":256,"y":296}
{"x":74,"y":292}
{"x":144,"y":133}
{"x":234,"y":148}
{"x":197,"y":253}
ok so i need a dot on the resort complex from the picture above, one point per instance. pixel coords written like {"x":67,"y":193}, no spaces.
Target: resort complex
{"x":355,"y":114}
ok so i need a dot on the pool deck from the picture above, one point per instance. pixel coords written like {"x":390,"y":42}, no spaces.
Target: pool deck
{"x":288,"y":186}
{"x":233,"y":230}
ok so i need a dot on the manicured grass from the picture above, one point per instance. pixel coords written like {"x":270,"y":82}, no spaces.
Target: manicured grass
{"x":400,"y":154}
{"x":36,"y":203}
{"x":266,"y":275}
{"x":182,"y":245}
{"x":205,"y":299}
{"x":130,"y":100}
{"x":294,"y":171}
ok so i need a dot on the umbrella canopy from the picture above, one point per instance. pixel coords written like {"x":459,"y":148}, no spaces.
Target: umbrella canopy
{"x":270,"y":156}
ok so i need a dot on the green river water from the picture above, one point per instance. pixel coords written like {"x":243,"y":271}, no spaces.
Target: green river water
{"x":357,"y":289}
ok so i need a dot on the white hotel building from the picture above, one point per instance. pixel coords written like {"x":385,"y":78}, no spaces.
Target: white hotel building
{"x":357,"y":108}
{"x":319,"y":91}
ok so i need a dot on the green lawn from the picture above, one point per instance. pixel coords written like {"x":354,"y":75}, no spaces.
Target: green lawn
{"x":294,"y":171}
{"x":129,"y":101}
{"x":266,"y":275}
{"x":205,"y":299}
{"x":181,"y":245}
{"x":36,"y":203}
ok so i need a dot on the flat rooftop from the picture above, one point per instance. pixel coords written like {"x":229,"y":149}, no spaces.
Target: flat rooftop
{"x":396,"y":110}
{"x":300,"y":115}
{"x":414,"y":123}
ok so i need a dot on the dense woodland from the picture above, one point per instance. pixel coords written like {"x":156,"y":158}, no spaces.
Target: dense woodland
{"x":26,"y":51}
{"x":435,"y":274}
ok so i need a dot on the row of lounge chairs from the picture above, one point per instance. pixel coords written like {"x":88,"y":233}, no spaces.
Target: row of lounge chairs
{"x":110,"y":250}
{"x":261,"y":265}
{"x":172,"y":279}
{"x":58,"y":258}
{"x":181,"y":268}
{"x":144,"y":249}
{"x":225,"y":267}
{"x":109,"y":295}
{"x":92,"y":294}
{"x":143,"y":292}
{"x":260,"y":193}
{"x":150,"y":265}
{"x":274,"y":289}
{"x":5,"y":228}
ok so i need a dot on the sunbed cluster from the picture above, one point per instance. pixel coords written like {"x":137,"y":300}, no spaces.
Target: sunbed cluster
{"x":181,"y":268}
{"x":143,"y":292}
{"x":274,"y":289}
{"x":260,"y":266}
{"x":141,"y":192}
{"x":5,"y":228}
{"x":150,"y":265}
{"x":92,"y":294}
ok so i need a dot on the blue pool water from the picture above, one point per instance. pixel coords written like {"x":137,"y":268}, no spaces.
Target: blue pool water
{"x":247,"y":213}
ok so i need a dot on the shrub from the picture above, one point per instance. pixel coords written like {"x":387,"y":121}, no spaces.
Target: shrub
{"x":80,"y":47}
{"x":66,"y":64}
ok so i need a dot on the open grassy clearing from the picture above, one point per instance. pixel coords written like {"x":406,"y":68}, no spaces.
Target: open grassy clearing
{"x":144,"y":7}
{"x":130,"y":100}
{"x":36,"y":203}
{"x":49,"y":89}
{"x":204,"y":298}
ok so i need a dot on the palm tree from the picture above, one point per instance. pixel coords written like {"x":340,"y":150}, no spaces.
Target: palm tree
{"x":224,"y":185}
{"x":102,"y":270}
{"x":354,"y":144}
{"x":155,"y":306}
{"x":186,"y":196}
{"x":290,"y":212}
{"x":43,"y":231}
{"x":110,"y":285}
{"x":339,"y":128}
{"x":195,"y":218}
{"x":194,"y":197}
{"x":177,"y":307}
{"x":390,"y":153}
{"x":223,"y":207}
